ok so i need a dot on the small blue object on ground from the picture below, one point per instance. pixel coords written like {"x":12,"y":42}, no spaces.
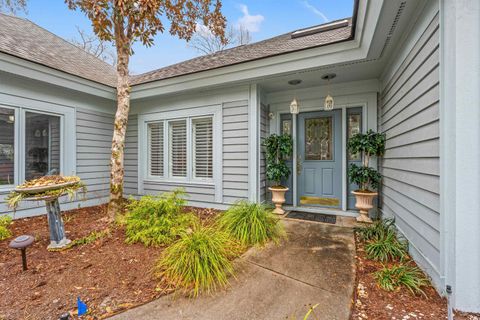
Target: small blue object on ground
{"x":82,"y":307}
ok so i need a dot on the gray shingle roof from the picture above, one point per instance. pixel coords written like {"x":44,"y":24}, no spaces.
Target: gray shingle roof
{"x":24,"y":39}
{"x":259,"y":50}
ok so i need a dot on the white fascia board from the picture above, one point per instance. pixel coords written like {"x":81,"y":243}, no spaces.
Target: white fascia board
{"x":42,"y":73}
{"x":356,"y":49}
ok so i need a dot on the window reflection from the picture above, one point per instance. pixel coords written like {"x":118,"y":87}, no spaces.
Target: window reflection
{"x":42,"y":145}
{"x":287,"y":127}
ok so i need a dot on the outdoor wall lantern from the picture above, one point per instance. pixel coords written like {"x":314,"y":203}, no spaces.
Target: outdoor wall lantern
{"x":329,"y":102}
{"x":294,"y":104}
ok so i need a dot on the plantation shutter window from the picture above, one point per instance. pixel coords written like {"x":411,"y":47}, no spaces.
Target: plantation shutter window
{"x":178,"y":148}
{"x":155,"y":138}
{"x":202,"y":137}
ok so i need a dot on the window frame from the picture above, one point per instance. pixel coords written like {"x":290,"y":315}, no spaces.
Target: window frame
{"x":16,"y":149}
{"x":166,"y":117}
{"x":24,"y":138}
{"x":67,"y":138}
{"x":192,"y":146}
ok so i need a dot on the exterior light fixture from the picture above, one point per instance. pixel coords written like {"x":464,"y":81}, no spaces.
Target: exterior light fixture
{"x":294,"y":109}
{"x":294,"y":106}
{"x":329,"y":102}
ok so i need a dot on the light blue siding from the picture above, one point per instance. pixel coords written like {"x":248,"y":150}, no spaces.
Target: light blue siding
{"x":409,"y":115}
{"x":94,"y":138}
{"x":235,"y":151}
{"x":87,"y":132}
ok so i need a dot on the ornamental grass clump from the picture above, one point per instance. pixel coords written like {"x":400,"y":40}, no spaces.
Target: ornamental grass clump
{"x":199,"y":262}
{"x":382,"y":242}
{"x":375,"y":230}
{"x":157,"y":220}
{"x":251,"y":224}
{"x":394,"y":277}
{"x":5,"y":232}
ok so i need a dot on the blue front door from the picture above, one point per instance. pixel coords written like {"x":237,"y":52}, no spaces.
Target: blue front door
{"x":319,"y":163}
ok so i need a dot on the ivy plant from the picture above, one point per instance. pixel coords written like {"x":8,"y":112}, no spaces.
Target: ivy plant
{"x":369,"y":144}
{"x":277,"y":149}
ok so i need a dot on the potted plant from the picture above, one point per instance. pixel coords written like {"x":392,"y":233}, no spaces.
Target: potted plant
{"x":277,"y":149}
{"x":370,"y":144}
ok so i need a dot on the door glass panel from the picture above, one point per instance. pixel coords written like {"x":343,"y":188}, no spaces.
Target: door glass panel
{"x":318,"y":138}
{"x":287,"y":127}
{"x":42,"y":145}
{"x":354,"y":127}
{"x":7,"y":139}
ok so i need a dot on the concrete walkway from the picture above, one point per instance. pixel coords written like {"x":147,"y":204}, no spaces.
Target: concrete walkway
{"x":315,"y":266}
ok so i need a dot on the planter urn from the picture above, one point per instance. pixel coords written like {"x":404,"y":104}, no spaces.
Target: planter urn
{"x":364,"y":202}
{"x":278,"y":198}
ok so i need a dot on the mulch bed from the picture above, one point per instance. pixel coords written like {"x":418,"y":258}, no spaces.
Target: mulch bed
{"x":372,"y":302}
{"x":108,"y":274}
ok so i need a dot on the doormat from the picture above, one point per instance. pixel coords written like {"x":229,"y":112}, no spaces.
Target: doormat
{"x":318,"y":217}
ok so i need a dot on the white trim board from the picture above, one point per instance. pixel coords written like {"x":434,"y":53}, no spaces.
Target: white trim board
{"x":42,"y":73}
{"x":253,"y":142}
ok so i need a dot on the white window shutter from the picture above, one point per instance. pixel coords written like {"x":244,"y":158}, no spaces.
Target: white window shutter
{"x":155,"y":139}
{"x":178,"y":148}
{"x":202,"y":148}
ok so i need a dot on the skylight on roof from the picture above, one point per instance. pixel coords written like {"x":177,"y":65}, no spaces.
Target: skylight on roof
{"x":320,"y":28}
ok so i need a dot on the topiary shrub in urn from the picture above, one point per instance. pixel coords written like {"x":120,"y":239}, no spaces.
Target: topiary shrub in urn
{"x":370,"y":144}
{"x":277,"y":149}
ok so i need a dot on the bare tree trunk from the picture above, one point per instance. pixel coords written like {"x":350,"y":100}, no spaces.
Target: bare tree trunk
{"x":120,"y":128}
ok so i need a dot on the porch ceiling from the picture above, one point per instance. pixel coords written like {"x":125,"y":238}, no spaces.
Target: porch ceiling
{"x":313,"y":78}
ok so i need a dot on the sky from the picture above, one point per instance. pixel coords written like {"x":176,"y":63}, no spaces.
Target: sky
{"x":263,"y":18}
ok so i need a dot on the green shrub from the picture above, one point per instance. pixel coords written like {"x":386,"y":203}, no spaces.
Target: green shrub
{"x":386,"y":248}
{"x":369,"y":144}
{"x":382,"y":242}
{"x":365,"y":177}
{"x":251,"y":223}
{"x":410,"y":277}
{"x":277,"y":149}
{"x":5,"y":233}
{"x":157,"y":220}
{"x":199,"y":261}
{"x":375,"y":230}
